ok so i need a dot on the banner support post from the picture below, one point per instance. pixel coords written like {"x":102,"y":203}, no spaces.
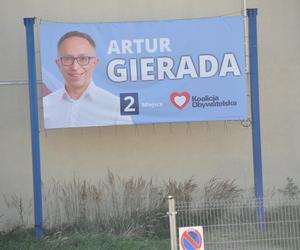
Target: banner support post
{"x":34,"y":122}
{"x":256,"y":138}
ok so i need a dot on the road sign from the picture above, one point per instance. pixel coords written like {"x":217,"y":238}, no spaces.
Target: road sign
{"x":191,"y":238}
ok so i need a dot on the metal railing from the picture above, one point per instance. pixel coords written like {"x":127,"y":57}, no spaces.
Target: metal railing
{"x":233,"y":225}
{"x":17,"y":82}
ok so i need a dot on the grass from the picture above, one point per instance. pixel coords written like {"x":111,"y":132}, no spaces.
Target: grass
{"x":25,"y":239}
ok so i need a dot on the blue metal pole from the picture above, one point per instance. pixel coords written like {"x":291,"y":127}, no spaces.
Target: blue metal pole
{"x":34,"y":121}
{"x":256,"y":140}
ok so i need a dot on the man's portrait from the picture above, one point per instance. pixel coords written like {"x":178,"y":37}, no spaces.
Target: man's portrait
{"x":80,"y":102}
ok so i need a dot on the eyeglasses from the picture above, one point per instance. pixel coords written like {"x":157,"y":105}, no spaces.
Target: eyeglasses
{"x":81,"y":60}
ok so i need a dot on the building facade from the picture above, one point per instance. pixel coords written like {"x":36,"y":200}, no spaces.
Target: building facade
{"x":179,"y":151}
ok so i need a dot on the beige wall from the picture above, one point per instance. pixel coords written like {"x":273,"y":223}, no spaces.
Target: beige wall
{"x":203,"y":150}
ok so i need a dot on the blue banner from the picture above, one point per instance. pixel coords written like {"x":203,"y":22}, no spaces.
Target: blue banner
{"x":143,"y":72}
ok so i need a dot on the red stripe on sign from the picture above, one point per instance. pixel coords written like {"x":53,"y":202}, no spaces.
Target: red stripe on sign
{"x":191,"y":240}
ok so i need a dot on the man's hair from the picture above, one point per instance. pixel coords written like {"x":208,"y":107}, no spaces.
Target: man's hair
{"x":76,"y":34}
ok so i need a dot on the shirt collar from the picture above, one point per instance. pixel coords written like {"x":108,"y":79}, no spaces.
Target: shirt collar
{"x":88,"y":94}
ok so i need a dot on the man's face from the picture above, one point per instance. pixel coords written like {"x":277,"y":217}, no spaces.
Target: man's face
{"x":77,"y":76}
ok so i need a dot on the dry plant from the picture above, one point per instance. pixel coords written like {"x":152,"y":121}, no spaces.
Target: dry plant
{"x":291,"y":189}
{"x":181,"y":191}
{"x":217,"y":189}
{"x":117,"y":205}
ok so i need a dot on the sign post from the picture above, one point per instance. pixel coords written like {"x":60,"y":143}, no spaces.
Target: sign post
{"x":172,"y":219}
{"x":256,"y":141}
{"x":34,"y":122}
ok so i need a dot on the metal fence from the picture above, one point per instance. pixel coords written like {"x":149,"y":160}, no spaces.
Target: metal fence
{"x":234,"y":225}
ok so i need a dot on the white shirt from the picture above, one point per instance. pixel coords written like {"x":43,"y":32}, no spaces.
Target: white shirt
{"x":95,"y":107}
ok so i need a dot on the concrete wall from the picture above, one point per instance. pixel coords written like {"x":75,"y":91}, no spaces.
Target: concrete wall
{"x":202,"y":150}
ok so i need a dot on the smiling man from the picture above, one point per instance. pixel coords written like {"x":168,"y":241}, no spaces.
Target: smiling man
{"x":80,"y":103}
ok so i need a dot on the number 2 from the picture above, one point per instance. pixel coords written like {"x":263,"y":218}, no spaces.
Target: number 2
{"x":129,"y":107}
{"x":129,"y":104}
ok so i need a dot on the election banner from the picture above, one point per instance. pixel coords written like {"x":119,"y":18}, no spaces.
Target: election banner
{"x":102,"y":74}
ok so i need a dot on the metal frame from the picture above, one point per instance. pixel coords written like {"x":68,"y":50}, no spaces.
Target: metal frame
{"x":34,"y":122}
{"x":256,"y":138}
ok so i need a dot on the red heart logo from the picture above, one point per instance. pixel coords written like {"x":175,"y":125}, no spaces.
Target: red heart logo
{"x":180,"y":100}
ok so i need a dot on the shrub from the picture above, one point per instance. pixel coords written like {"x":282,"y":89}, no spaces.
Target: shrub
{"x":290,"y":190}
